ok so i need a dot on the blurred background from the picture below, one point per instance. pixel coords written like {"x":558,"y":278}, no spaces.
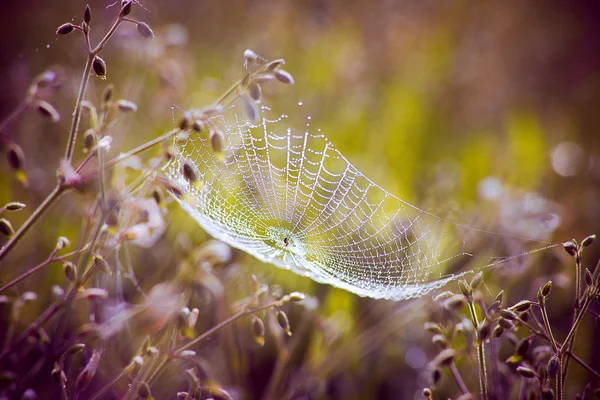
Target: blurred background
{"x":484,"y":112}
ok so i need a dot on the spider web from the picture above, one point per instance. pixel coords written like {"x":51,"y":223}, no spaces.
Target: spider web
{"x":293,"y":200}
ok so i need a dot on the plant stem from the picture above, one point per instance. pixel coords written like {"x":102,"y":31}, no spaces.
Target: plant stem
{"x":480,"y":354}
{"x":77,"y":112}
{"x":30,"y":272}
{"x":458,"y":378}
{"x":42,"y":208}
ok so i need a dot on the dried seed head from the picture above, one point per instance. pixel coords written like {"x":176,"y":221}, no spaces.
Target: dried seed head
{"x":99,"y":66}
{"x":258,"y":327}
{"x":65,"y":29}
{"x":145,"y":30}
{"x":553,"y":366}
{"x":571,"y":248}
{"x":125,"y":8}
{"x":14,"y":206}
{"x":444,"y":358}
{"x":87,"y":15}
{"x":526,"y":372}
{"x":70,"y":271}
{"x":216,"y":141}
{"x":47,"y":110}
{"x":6,"y":228}
{"x":255,"y":91}
{"x":15,"y":156}
{"x":508,"y":314}
{"x":126,"y":106}
{"x":283,"y":322}
{"x":522,"y":306}
{"x":190,"y":172}
{"x":284,"y":76}
{"x":588,"y":241}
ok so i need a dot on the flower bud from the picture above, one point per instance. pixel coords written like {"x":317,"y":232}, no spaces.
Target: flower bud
{"x":283,"y":322}
{"x":87,"y":15}
{"x":47,"y":110}
{"x":444,"y":358}
{"x":526,"y":372}
{"x":14,"y":206}
{"x":284,"y":76}
{"x":65,"y":29}
{"x":125,"y":8}
{"x":553,"y":366}
{"x":126,"y":106}
{"x":571,"y":248}
{"x":99,"y":67}
{"x":258,"y":327}
{"x":216,"y":141}
{"x":6,"y":228}
{"x":588,"y":241}
{"x":145,"y":30}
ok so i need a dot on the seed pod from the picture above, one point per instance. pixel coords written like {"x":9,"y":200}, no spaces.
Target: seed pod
{"x":190,"y":172}
{"x":70,"y":271}
{"x":126,"y":106}
{"x":526,"y":372}
{"x":258,"y":327}
{"x":107,"y":93}
{"x":6,"y":228}
{"x":283,"y":322}
{"x":65,"y":29}
{"x":255,"y":91}
{"x":216,"y":141}
{"x":15,"y":156}
{"x":297,"y":296}
{"x":251,"y":108}
{"x":546,"y":289}
{"x":89,"y":140}
{"x":588,"y":241}
{"x":275,"y":64}
{"x":14,"y":206}
{"x":456,"y":302}
{"x":284,"y":76}
{"x":444,"y":358}
{"x":433,"y":327}
{"x":522,"y":347}
{"x":186,"y":354}
{"x":126,"y":8}
{"x":197,"y":125}
{"x":553,"y":366}
{"x":440,"y":340}
{"x":508,"y":314}
{"x":484,"y":330}
{"x":476,"y":281}
{"x":497,"y":332}
{"x":145,"y":30}
{"x":47,"y":110}
{"x":571,"y":248}
{"x":99,"y":66}
{"x":506,"y":324}
{"x":87,"y":15}
{"x":522,"y":306}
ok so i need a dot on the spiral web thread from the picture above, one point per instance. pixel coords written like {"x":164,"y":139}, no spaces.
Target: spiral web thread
{"x":293,"y":200}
